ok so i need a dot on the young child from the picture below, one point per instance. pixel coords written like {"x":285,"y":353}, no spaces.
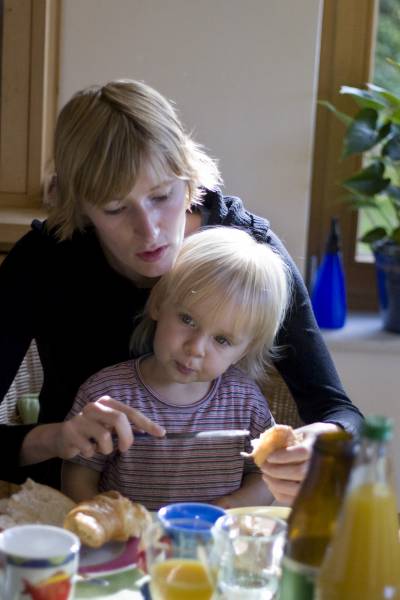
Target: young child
{"x":208,"y":331}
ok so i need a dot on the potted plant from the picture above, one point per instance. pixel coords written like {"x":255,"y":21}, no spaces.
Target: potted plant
{"x":374,"y":131}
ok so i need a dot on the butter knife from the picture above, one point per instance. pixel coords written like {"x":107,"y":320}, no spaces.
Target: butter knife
{"x":198,"y":435}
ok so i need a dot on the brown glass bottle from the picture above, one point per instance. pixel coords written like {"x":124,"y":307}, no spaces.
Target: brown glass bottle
{"x":314,"y":513}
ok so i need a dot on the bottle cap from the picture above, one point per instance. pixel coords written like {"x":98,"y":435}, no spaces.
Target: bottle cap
{"x":333,"y":241}
{"x":377,"y":427}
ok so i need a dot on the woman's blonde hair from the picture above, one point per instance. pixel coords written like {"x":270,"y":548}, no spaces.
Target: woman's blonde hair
{"x":239,"y":274}
{"x":103,"y":135}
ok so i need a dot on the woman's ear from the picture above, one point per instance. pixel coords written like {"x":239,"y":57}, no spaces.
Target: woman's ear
{"x":154,"y":311}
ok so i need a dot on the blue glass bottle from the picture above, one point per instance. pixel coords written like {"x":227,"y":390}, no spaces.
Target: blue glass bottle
{"x":329,"y":292}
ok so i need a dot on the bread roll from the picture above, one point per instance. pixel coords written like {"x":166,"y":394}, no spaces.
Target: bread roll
{"x":274,"y":438}
{"x":107,"y":517}
{"x":7,"y":489}
{"x":34,"y":503}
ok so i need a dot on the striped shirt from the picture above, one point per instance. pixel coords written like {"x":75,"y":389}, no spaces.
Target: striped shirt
{"x":157,"y":471}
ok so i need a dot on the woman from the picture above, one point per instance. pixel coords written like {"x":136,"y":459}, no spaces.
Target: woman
{"x":130,"y":184}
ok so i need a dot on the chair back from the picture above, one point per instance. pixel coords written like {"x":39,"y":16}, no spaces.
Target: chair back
{"x":28,"y":380}
{"x":280,"y":400}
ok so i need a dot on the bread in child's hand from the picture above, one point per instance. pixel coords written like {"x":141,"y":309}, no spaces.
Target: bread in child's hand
{"x":274,"y":438}
{"x":34,"y":503}
{"x":109,"y":516}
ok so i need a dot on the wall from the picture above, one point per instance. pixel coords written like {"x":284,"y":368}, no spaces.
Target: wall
{"x":241,"y":73}
{"x":367,"y":359}
{"x":370,"y":380}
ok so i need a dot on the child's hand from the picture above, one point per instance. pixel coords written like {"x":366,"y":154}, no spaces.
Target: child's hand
{"x":285,"y":469}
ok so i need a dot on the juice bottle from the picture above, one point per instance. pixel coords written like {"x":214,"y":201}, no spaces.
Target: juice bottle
{"x":314,"y":514}
{"x":363,"y":560}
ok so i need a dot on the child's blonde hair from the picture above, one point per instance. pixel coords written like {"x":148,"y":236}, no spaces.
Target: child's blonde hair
{"x":103,"y":136}
{"x":229,"y":266}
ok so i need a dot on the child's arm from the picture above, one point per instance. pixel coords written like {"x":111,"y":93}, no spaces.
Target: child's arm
{"x":252,"y":492}
{"x":79,"y":482}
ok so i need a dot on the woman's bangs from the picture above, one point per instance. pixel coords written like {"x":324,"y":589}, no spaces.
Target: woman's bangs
{"x":113,"y":175}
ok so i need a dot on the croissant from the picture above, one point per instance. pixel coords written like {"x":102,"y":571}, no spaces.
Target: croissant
{"x":109,"y":516}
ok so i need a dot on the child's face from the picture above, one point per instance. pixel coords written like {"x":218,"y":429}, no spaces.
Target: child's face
{"x":190,"y":346}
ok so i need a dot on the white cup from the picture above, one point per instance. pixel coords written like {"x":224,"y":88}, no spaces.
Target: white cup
{"x":36,"y":560}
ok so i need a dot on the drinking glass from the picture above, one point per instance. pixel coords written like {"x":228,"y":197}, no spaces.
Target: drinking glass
{"x":250,"y":549}
{"x":178,"y":559}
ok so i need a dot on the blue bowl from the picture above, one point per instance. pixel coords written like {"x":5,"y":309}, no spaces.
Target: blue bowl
{"x":190,"y":515}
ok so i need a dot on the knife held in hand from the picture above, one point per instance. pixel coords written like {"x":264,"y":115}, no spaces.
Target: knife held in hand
{"x":189,"y":435}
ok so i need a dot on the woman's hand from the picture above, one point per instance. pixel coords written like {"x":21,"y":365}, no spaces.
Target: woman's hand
{"x":92,"y":430}
{"x":285,"y":469}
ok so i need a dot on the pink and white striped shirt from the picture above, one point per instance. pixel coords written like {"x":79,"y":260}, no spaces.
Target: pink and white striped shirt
{"x":157,"y":471}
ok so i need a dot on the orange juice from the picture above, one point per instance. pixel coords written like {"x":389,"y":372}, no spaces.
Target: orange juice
{"x":180,"y":579}
{"x":363,"y":562}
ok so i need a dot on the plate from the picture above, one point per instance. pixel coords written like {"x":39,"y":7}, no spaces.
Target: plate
{"x":282,"y":512}
{"x":111,"y":558}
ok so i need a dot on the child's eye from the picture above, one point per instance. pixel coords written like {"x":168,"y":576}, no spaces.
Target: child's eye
{"x":186,"y":319}
{"x":222,"y":340}
{"x":161,"y":197}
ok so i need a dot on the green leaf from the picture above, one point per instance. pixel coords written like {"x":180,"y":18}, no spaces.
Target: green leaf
{"x":393,"y":191}
{"x":395,"y":116}
{"x":364,"y":98}
{"x":368,"y":181}
{"x":346,"y":119}
{"x":358,"y":202}
{"x":384,"y":131}
{"x":380,"y":92}
{"x":373,"y":235}
{"x":396,"y":235}
{"x":362,"y":133}
{"x":392,"y":62}
{"x":392,"y":148}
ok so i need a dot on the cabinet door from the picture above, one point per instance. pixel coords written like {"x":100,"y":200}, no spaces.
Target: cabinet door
{"x":28,"y":105}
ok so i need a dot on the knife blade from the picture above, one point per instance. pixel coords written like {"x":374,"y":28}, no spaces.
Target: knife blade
{"x":188,"y":435}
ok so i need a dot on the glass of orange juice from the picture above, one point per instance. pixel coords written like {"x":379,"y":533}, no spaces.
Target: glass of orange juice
{"x":178,"y":557}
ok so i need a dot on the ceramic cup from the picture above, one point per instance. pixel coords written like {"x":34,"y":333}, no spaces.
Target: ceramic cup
{"x":38,"y":561}
{"x":200,"y":511}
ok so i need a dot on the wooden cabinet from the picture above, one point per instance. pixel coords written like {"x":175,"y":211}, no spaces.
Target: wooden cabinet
{"x":28,"y":106}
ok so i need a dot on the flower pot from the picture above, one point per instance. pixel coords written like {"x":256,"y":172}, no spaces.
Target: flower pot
{"x":387,"y":261}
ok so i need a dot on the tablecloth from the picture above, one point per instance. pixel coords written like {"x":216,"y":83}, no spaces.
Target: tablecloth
{"x":122,"y":586}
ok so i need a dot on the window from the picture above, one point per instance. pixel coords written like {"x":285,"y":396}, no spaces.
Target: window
{"x":387,"y":45}
{"x":348,"y":31}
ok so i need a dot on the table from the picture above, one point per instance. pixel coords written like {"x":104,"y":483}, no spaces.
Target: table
{"x":122,"y":586}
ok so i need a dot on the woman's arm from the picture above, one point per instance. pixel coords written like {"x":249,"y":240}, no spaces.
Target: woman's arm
{"x":79,"y":482}
{"x":306,"y":364}
{"x":94,"y":429}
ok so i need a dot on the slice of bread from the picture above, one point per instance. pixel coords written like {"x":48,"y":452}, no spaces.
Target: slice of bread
{"x":274,"y":438}
{"x":35,"y":503}
{"x":7,"y":488}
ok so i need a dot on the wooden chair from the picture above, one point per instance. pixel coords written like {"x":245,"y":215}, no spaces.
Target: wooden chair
{"x":280,"y":400}
{"x":28,"y":380}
